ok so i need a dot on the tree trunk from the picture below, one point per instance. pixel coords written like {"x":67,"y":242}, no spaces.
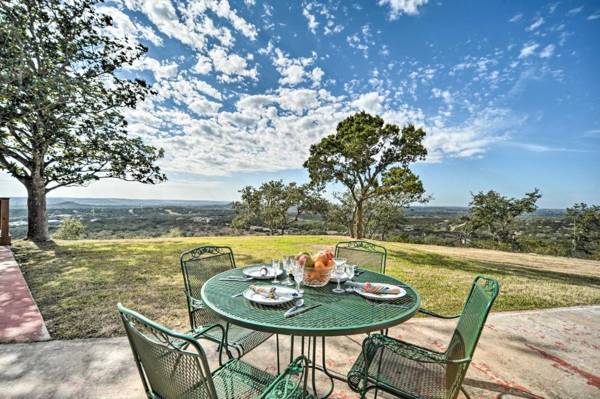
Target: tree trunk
{"x":358,"y":221}
{"x":37,"y":215}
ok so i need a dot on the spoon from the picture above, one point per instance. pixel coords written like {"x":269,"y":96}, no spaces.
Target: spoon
{"x":298,"y":303}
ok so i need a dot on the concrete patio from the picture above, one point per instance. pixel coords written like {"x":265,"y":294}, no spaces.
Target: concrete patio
{"x":538,"y":354}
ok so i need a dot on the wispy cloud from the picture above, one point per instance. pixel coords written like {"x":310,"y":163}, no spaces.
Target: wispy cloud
{"x":594,"y":16}
{"x":516,"y":18}
{"x":548,"y":51}
{"x":528,"y":49}
{"x":574,"y":11}
{"x":536,"y":24}
{"x":532,"y":147}
{"x":594,"y":133}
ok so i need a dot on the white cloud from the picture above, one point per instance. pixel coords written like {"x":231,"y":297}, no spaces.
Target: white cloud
{"x":294,"y":70}
{"x":202,"y":106}
{"x":548,"y":51}
{"x":536,"y":24}
{"x":473,"y":137}
{"x":124,"y":27}
{"x":371,"y":102}
{"x":231,"y":65}
{"x":516,"y":18}
{"x":361,"y":40}
{"x":399,"y":7}
{"x":594,"y":16}
{"x":161,"y":70}
{"x":528,"y":49}
{"x":575,"y":11}
{"x":443,"y":94}
{"x":316,"y":75}
{"x":190,"y":24}
{"x":203,"y":65}
{"x":312,"y":21}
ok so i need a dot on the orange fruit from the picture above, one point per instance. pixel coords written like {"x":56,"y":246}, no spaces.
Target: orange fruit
{"x":320,"y":264}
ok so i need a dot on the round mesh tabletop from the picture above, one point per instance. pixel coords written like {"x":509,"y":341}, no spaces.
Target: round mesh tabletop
{"x":339,"y":314}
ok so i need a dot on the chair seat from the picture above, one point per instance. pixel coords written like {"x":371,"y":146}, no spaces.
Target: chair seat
{"x":237,"y":379}
{"x":406,"y":370}
{"x":243,"y":339}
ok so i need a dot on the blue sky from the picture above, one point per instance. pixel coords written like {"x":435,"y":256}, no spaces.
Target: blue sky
{"x":508,"y":92}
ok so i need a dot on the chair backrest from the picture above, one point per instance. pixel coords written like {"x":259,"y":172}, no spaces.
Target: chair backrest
{"x":200,"y":264}
{"x":167,"y":366}
{"x":364,"y":254}
{"x":484,"y":291}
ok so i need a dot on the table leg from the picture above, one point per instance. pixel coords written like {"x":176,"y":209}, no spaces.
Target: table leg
{"x":310,"y":351}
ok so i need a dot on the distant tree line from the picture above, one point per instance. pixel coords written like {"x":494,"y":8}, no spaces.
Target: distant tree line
{"x":371,"y":160}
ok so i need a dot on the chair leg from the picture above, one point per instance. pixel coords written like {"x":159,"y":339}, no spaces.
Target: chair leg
{"x":465,"y":392}
{"x":277,"y":343}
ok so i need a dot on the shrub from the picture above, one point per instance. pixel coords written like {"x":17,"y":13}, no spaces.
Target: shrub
{"x":70,"y":229}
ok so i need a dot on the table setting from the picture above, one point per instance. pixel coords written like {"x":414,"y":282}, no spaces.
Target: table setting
{"x":309,"y":296}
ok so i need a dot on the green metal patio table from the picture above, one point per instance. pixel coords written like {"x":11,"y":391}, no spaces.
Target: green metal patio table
{"x":338,"y":315}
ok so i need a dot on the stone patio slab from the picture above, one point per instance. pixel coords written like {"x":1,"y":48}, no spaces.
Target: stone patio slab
{"x":537,"y":354}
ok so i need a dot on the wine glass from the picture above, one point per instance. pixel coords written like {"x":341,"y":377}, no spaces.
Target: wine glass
{"x":288,"y":265}
{"x":298,"y":270}
{"x":276,"y":267}
{"x":339,"y":273}
{"x":350,"y":271}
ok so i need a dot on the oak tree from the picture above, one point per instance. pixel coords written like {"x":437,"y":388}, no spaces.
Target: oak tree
{"x":495,"y":213}
{"x":62,"y":101}
{"x":276,"y":206}
{"x":371,"y":158}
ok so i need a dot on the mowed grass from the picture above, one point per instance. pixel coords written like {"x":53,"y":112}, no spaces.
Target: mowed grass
{"x":77,"y":284}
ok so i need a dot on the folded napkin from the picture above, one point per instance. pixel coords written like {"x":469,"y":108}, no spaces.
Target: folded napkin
{"x":267,"y":292}
{"x":375,"y":288}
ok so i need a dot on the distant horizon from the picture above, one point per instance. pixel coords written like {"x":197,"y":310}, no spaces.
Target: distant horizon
{"x":74,"y":199}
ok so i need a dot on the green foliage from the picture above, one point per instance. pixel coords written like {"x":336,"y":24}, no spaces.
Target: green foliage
{"x":276,"y":205}
{"x":61,"y":102}
{"x":70,"y":229}
{"x":381,"y":216}
{"x":496,"y":213}
{"x":371,"y":159}
{"x":586,"y":228}
{"x":384,"y":216}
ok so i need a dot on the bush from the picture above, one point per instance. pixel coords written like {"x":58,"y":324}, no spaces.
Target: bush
{"x":70,"y":229}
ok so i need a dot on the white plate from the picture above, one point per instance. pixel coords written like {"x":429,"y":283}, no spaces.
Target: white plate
{"x":284,"y":295}
{"x":381,"y":297}
{"x":254,"y":272}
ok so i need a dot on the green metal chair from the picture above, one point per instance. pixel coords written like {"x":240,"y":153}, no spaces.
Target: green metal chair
{"x":364,"y":254}
{"x":197,"y":266}
{"x":174,"y":365}
{"x":410,"y":371}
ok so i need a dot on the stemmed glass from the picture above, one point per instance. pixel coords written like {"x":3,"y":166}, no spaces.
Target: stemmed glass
{"x":298,"y":270}
{"x":350,"y":271}
{"x":276,"y":267}
{"x":339,"y":273}
{"x":288,"y":265}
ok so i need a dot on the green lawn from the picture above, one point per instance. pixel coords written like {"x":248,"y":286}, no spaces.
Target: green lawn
{"x":78,"y":283}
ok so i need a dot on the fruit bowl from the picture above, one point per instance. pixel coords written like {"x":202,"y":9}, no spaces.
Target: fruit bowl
{"x":317,"y":277}
{"x":317,"y":269}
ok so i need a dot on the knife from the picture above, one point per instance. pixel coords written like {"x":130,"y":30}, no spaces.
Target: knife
{"x":232,"y":278}
{"x":294,"y":312}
